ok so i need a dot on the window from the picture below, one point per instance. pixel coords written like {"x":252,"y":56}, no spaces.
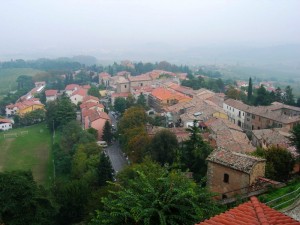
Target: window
{"x":226,"y":178}
{"x":253,"y":117}
{"x":243,"y":114}
{"x":125,"y":86}
{"x":141,"y":84}
{"x":248,"y":114}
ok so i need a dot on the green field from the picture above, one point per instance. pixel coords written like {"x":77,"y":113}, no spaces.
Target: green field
{"x":8,"y":77}
{"x":30,"y":150}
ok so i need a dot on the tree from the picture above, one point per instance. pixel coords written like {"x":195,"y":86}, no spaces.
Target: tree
{"x":137,"y":146}
{"x":72,"y":197}
{"x":278,"y":94}
{"x":60,"y":112}
{"x":130,"y":101}
{"x":150,"y":194}
{"x":163,"y":147}
{"x":71,"y":134}
{"x":94,"y":91}
{"x":280,"y":162}
{"x":289,"y":96}
{"x":142,"y":100}
{"x":25,"y":82}
{"x":105,"y":171}
{"x":22,"y":201}
{"x":262,"y":96}
{"x":298,"y":102}
{"x":249,"y":95}
{"x":107,"y":133}
{"x":295,"y":138}
{"x":195,"y":152}
{"x":93,"y":132}
{"x":120,"y":105}
{"x":235,"y":94}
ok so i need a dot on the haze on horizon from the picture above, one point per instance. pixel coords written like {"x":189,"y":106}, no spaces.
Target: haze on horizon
{"x":120,"y":28}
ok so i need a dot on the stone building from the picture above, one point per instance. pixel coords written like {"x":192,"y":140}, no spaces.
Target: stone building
{"x":231,"y":173}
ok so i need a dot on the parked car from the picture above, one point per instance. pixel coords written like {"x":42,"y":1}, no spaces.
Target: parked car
{"x":103,"y":144}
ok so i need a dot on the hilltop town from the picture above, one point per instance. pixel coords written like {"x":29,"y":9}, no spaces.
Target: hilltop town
{"x":104,"y":124}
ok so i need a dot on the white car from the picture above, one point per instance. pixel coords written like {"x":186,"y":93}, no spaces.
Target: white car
{"x":103,"y":144}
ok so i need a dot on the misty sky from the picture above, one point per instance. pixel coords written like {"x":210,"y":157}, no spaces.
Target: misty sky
{"x":68,"y":27}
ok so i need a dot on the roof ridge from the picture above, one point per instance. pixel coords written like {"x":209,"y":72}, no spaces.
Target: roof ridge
{"x":259,"y":211}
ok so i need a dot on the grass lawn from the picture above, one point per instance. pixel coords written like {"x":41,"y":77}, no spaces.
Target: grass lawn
{"x":30,"y":150}
{"x":8,"y":77}
{"x":276,"y":193}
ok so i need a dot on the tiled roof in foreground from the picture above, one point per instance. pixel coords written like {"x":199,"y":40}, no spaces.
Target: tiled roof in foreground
{"x":252,"y":212}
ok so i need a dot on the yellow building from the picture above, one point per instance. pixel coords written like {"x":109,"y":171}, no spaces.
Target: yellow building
{"x":24,"y":107}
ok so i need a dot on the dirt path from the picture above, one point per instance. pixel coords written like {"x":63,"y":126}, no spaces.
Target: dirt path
{"x":3,"y":152}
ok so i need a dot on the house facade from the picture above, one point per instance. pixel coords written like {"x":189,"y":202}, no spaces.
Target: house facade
{"x":5,"y":124}
{"x":51,"y":95}
{"x":229,"y":173}
{"x":236,"y":111}
{"x":21,"y":108}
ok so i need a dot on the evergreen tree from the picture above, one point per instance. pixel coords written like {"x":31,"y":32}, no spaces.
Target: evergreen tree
{"x":142,"y":100}
{"x":289,"y":96}
{"x":278,"y":94}
{"x":195,"y":152}
{"x":105,"y":170}
{"x":22,"y":201}
{"x":107,"y":133}
{"x":249,"y":96}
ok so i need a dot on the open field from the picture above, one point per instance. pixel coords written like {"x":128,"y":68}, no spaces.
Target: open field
{"x":29,"y":150}
{"x":8,"y":77}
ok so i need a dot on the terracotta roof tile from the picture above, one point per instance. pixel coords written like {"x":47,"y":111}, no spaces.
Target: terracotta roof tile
{"x":81,"y":92}
{"x":51,"y":92}
{"x":5,"y":121}
{"x":235,"y":160}
{"x":72,"y":87}
{"x":251,"y":213}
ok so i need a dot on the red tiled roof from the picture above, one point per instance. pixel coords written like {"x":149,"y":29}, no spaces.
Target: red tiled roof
{"x":51,"y":92}
{"x":163,"y":94}
{"x":5,"y":121}
{"x":252,"y":212}
{"x":87,"y":86}
{"x":81,"y":92}
{"x":104,"y":75}
{"x":122,"y":95}
{"x":71,"y":87}
{"x":89,"y":105}
{"x":89,"y":97}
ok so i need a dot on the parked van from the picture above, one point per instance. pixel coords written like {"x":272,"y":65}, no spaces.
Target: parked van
{"x":103,"y":144}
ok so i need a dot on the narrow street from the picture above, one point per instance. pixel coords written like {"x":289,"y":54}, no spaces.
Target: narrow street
{"x":118,"y":161}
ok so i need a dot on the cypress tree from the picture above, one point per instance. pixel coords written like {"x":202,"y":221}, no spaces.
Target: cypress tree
{"x":249,"y":97}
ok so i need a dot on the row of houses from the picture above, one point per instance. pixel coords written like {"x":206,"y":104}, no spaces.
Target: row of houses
{"x":277,"y":115}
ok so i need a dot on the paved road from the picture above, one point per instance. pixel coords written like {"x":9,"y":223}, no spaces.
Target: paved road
{"x":118,"y":161}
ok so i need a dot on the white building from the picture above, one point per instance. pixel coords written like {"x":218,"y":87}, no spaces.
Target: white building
{"x":51,"y":95}
{"x":78,"y":96}
{"x":236,"y":111}
{"x":5,"y":124}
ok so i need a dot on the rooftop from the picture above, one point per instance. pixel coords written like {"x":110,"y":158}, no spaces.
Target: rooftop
{"x":252,"y":212}
{"x":237,"y":161}
{"x":51,"y":92}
